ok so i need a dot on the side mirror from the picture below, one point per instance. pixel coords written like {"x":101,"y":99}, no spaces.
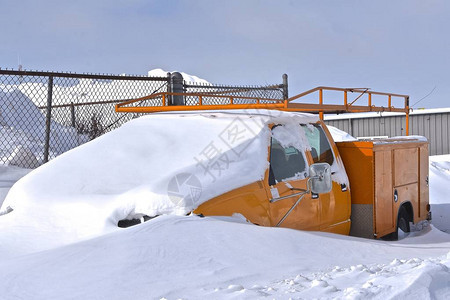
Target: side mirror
{"x":320,"y":178}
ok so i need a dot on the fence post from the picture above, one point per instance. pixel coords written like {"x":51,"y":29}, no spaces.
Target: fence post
{"x":48,"y":118}
{"x":72,"y":114}
{"x":285,"y":87}
{"x":177,"y":87}
{"x":169,"y":88}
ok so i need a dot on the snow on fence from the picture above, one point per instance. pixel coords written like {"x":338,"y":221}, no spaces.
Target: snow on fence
{"x":44,"y":114}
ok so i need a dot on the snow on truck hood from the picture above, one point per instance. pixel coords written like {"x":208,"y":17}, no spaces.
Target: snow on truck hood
{"x":157,"y":164}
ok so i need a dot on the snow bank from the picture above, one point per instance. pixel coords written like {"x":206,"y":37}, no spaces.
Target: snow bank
{"x":365,"y":115}
{"x":22,"y":131}
{"x":440,"y":191}
{"x":440,"y":179}
{"x":157,"y":164}
{"x":8,"y":176}
{"x":212,"y":258}
{"x":11,"y":173}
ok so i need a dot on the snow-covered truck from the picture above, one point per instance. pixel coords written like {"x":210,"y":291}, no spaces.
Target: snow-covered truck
{"x":368,"y":188}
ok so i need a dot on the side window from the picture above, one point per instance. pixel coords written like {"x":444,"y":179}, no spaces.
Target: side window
{"x":285,"y":163}
{"x":320,"y":147}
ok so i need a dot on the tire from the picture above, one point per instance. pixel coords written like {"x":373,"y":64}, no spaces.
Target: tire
{"x":128,"y":223}
{"x":402,"y":223}
{"x":403,"y":220}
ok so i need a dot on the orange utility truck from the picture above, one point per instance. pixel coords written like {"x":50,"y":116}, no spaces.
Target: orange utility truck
{"x":366,"y":188}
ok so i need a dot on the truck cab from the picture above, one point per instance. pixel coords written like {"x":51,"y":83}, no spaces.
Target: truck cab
{"x":266,"y":202}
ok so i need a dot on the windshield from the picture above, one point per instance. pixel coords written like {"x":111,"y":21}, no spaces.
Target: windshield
{"x":320,"y":147}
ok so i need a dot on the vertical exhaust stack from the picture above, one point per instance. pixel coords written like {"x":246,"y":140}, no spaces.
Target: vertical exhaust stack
{"x":176,"y":82}
{"x":285,"y":87}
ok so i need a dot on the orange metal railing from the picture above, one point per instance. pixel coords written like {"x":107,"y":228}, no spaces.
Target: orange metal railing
{"x":351,"y":107}
{"x":208,"y":101}
{"x":205,"y":101}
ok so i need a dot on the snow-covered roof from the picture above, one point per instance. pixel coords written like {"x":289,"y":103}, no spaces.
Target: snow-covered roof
{"x":385,"y":114}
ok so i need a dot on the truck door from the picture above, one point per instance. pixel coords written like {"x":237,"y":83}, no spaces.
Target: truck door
{"x":288,"y":173}
{"x":333,"y":206}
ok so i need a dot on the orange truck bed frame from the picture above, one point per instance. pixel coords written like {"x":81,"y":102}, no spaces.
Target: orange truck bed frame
{"x":160,"y":102}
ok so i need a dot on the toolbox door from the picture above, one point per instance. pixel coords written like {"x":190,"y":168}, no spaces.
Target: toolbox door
{"x":384,"y":217}
{"x":423,"y":182}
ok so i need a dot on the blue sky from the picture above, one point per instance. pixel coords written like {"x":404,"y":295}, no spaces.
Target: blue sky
{"x":397,"y":46}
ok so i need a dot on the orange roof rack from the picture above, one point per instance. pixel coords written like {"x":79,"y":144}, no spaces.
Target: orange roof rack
{"x":161,"y":102}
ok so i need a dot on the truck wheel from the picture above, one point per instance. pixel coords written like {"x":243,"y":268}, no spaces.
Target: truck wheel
{"x":127,"y":223}
{"x":402,"y":223}
{"x":403,"y":220}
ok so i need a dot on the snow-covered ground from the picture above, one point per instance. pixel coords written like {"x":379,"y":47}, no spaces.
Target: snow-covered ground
{"x":216,"y":258}
{"x":440,"y":191}
{"x":61,"y":242}
{"x":8,"y":176}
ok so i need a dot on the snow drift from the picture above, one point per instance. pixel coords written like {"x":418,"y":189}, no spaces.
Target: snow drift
{"x":440,"y":191}
{"x":177,"y":257}
{"x":140,"y":169}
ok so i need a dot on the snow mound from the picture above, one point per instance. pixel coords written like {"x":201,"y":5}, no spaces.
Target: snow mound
{"x":22,"y":131}
{"x":8,"y":176}
{"x":440,"y":177}
{"x":440,"y":191}
{"x":153,"y":165}
{"x":22,"y":157}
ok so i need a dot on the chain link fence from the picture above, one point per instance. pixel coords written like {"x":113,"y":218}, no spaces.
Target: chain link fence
{"x":240,"y":94}
{"x":44,"y":114}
